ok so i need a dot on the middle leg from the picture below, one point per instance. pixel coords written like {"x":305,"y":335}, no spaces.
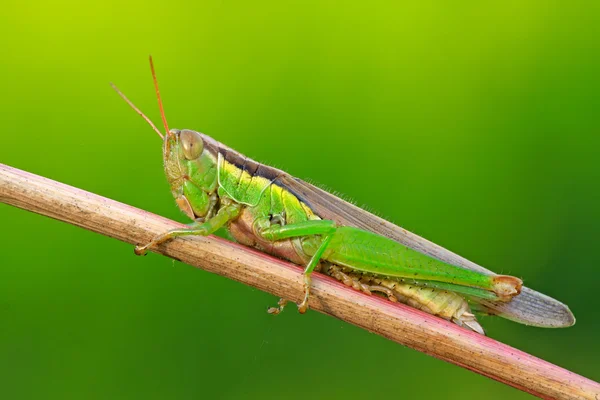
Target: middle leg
{"x":314,"y":228}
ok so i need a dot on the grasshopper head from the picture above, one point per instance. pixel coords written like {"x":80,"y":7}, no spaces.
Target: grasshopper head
{"x":191,"y":170}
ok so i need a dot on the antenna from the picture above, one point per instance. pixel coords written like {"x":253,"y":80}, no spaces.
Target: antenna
{"x":160,"y":105}
{"x":138,"y":110}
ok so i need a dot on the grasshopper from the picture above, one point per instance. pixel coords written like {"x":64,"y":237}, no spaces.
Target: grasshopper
{"x":266,"y":208}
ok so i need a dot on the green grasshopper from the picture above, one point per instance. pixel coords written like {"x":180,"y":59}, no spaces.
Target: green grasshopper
{"x":266,"y":208}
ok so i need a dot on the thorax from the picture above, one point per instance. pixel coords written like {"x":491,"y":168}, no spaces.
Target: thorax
{"x":264,"y":203}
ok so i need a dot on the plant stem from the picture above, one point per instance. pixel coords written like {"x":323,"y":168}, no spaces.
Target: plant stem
{"x":400,"y":323}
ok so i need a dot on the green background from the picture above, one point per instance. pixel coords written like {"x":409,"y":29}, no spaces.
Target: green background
{"x":474,"y":124}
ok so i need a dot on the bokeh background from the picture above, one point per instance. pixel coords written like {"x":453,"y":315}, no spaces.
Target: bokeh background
{"x":474,"y":124}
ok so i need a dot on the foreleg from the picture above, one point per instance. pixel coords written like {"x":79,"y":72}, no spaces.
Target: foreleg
{"x":223,"y":216}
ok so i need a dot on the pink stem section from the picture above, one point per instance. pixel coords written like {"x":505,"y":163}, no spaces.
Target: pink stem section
{"x":402,"y":324}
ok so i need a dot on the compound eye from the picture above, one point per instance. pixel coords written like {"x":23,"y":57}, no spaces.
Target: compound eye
{"x":192,"y":144}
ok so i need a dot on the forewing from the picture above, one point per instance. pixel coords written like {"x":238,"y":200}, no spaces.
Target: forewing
{"x":530,"y":307}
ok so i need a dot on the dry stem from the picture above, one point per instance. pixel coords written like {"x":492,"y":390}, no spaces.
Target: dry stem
{"x":402,"y":324}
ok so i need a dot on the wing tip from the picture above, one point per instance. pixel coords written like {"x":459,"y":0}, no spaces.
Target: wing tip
{"x":570,"y":319}
{"x":560,"y":317}
{"x":533,"y":309}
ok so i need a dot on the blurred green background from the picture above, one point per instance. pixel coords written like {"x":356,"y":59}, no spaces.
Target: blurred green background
{"x":474,"y":124}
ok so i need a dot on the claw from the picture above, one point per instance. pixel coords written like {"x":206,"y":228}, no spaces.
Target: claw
{"x":277,"y":310}
{"x":302,"y":308}
{"x":140,"y":250}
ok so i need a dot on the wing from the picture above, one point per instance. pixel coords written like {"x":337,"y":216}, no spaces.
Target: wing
{"x":530,"y":307}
